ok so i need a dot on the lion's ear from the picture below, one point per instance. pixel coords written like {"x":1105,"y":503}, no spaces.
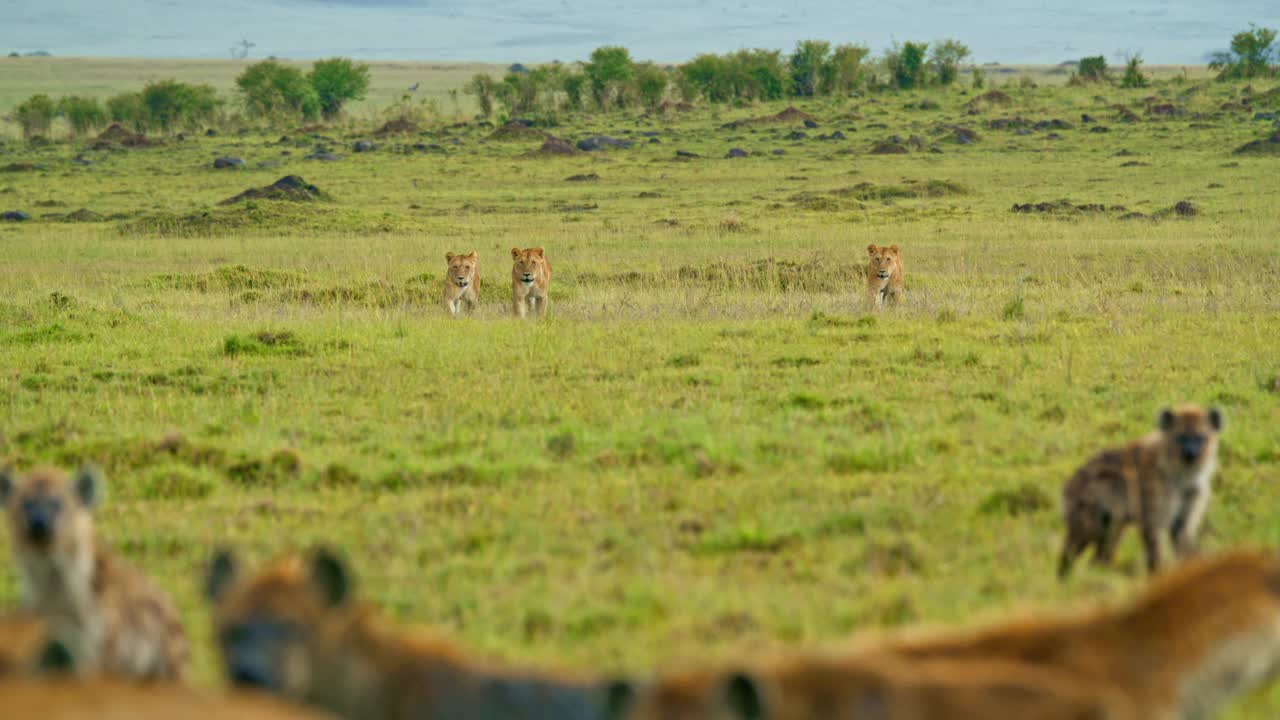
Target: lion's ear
{"x":515,"y":253}
{"x":893,"y":249}
{"x":871,"y":249}
{"x":539,"y":252}
{"x":473,"y":255}
{"x":448,"y":257}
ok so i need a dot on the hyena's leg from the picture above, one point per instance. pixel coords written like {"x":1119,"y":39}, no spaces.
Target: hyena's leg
{"x":1108,"y":539}
{"x":1186,"y":526}
{"x":1071,"y":549}
{"x":1151,"y":543}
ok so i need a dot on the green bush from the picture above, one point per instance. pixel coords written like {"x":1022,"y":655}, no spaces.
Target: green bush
{"x":608,"y":72}
{"x":574,"y":85}
{"x":844,"y":71}
{"x":1253,"y":54}
{"x":336,"y":82}
{"x":128,"y":109}
{"x":706,"y":76}
{"x":759,"y":74}
{"x":272,"y":89}
{"x":1133,"y":75}
{"x":1092,"y":68}
{"x":35,"y":115}
{"x":808,"y":62}
{"x":82,"y":114}
{"x":484,"y":88}
{"x":650,"y":83}
{"x":945,"y":60}
{"x":171,"y":104}
{"x":906,"y":64}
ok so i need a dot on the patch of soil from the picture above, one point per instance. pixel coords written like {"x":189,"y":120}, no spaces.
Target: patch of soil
{"x":1268,"y":146}
{"x":117,"y":136}
{"x":516,"y":130}
{"x":554,"y":146}
{"x":397,"y":127}
{"x":14,"y":216}
{"x":290,"y":187}
{"x":889,"y":148}
{"x":790,"y":115}
{"x":989,"y":99}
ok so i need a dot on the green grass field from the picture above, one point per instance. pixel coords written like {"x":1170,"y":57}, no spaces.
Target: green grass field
{"x":710,"y":447}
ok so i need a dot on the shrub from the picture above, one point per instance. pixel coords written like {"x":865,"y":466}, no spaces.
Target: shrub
{"x":1253,"y":54}
{"x":708,"y":76}
{"x":1133,"y":75}
{"x":574,"y":84}
{"x":129,"y":109}
{"x":759,"y":74}
{"x":273,"y":89}
{"x":979,"y":78}
{"x":337,"y":81}
{"x":945,"y":60}
{"x":82,"y":114}
{"x":1092,"y":68}
{"x":807,"y":63}
{"x":844,"y":72}
{"x":650,"y":83}
{"x":608,"y":71}
{"x":171,"y":104}
{"x":485,"y":89}
{"x":35,"y":115}
{"x":906,"y":64}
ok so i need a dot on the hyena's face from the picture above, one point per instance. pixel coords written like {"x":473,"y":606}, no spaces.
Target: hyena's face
{"x":1192,"y":432}
{"x":49,"y":511}
{"x":462,"y":269}
{"x":268,"y":627}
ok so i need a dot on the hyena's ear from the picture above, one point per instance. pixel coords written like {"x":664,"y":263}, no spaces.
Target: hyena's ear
{"x":515,"y":253}
{"x":220,"y":574}
{"x":618,"y":693}
{"x":56,"y":658}
{"x":448,"y":257}
{"x":1166,"y":420}
{"x":1216,"y":420}
{"x":89,"y":486}
{"x":7,"y":480}
{"x":743,"y":696}
{"x":330,"y":577}
{"x":871,"y":249}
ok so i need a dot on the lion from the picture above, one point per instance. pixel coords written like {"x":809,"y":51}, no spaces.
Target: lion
{"x":530,"y":281}
{"x":884,"y":275}
{"x":461,"y":283}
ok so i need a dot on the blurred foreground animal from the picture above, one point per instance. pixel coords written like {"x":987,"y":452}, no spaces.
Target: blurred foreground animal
{"x":103,"y":699}
{"x":296,"y":629}
{"x":1161,"y":482}
{"x":107,"y":614}
{"x":27,"y":649}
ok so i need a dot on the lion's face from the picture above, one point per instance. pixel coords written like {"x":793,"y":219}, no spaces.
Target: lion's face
{"x":883,"y":260}
{"x":528,"y":264}
{"x":462,"y":269}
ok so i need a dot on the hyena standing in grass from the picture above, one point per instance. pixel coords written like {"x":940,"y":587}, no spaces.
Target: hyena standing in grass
{"x":109,"y":617}
{"x":1161,"y":482}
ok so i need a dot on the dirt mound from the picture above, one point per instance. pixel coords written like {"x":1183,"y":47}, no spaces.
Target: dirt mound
{"x":1066,"y":207}
{"x":1166,"y":110}
{"x":989,"y":99}
{"x":118,"y":136}
{"x":397,"y":127}
{"x":1268,"y":146}
{"x":554,"y":146}
{"x":516,"y":130}
{"x":1124,"y":114}
{"x":790,"y":115}
{"x":84,"y":215}
{"x":889,"y":148}
{"x":290,"y":187}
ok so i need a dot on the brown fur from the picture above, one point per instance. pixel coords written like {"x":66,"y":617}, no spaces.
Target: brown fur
{"x":24,"y":643}
{"x":1197,"y":637}
{"x":884,"y":275}
{"x":461,"y":283}
{"x":109,"y":616}
{"x":530,"y":281}
{"x":341,"y":656}
{"x":116,"y":700}
{"x":818,"y":687}
{"x":1147,"y":482}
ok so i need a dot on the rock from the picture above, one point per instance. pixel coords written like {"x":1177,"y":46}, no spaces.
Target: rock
{"x":736,"y":153}
{"x":517,"y":68}
{"x":797,"y":135}
{"x":1023,"y":132}
{"x":655,"y":141}
{"x":324,"y":156}
{"x":211,"y":133}
{"x":1265,"y":116}
{"x":23,"y":167}
{"x":268,"y":163}
{"x":687,"y":154}
{"x":228,"y":162}
{"x":837,"y":135}
{"x":84,"y":215}
{"x":600,"y":142}
{"x":888,"y":148}
{"x":1086,"y":118}
{"x":1185,"y":208}
{"x":811,"y":124}
{"x":15,"y":216}
{"x":779,"y":151}
{"x":586,"y":177}
{"x":1099,"y":129}
{"x":83,"y":162}
{"x":361,"y":146}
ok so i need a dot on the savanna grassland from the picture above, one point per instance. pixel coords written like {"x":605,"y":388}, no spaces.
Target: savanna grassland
{"x":710,"y":446}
